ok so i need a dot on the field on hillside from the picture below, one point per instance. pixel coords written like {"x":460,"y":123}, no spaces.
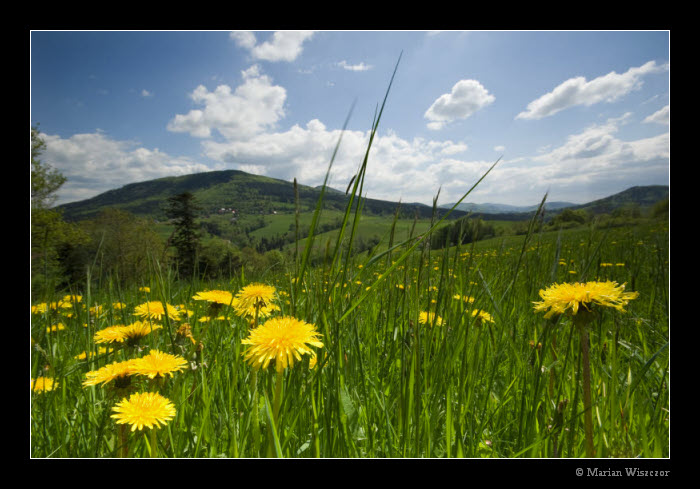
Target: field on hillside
{"x":402,"y":353}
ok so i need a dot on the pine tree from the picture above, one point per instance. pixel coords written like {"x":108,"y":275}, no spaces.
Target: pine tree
{"x":182,"y":209}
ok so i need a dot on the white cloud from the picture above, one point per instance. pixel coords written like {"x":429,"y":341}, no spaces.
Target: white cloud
{"x":255,"y":106}
{"x":499,"y":149}
{"x":596,"y":154}
{"x":146,"y":93}
{"x":578,"y":91}
{"x":466,"y":97}
{"x":661,"y":116}
{"x":94,"y":163}
{"x":358,"y":67}
{"x":282,"y":46}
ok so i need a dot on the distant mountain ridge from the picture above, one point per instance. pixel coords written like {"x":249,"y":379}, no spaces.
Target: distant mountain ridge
{"x":256,"y":194}
{"x":488,"y":208}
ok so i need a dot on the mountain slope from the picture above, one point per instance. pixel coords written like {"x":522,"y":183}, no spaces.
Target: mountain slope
{"x":231,"y":189}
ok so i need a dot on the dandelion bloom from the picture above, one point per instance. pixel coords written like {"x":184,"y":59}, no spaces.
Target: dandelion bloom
{"x":158,"y":364}
{"x":283,"y":339}
{"x":55,"y":327}
{"x":110,"y":334}
{"x":263,"y":312}
{"x":138,"y":330}
{"x":254,"y":296}
{"x":100,"y":351}
{"x":116,"y":371}
{"x":144,"y":409}
{"x":42,"y":384}
{"x":568,"y":297}
{"x":155,"y":310}
{"x":482,"y":316}
{"x":216,"y":296}
{"x":429,"y":318}
{"x":185,"y":331}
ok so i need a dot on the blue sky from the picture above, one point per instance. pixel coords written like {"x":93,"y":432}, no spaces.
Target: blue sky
{"x":578,"y":114}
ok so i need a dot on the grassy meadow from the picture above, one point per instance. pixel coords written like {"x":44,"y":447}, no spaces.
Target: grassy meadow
{"x":480,"y":375}
{"x":415,"y":353}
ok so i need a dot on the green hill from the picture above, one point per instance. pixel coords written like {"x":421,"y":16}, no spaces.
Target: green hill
{"x":644,"y":197}
{"x":229,"y":190}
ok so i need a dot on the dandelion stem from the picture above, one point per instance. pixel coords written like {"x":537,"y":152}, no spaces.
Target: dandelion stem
{"x":154,"y":443}
{"x":587,"y":413}
{"x":123,"y":437}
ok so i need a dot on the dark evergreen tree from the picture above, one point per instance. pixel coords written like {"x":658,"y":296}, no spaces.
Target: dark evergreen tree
{"x":182,"y":209}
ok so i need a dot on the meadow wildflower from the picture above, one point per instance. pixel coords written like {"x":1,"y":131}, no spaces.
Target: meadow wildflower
{"x":119,"y":372}
{"x":429,"y":318}
{"x":135,"y":331}
{"x":110,"y":334}
{"x":216,"y":296}
{"x":42,"y":384}
{"x":252,"y":297}
{"x":141,"y":409}
{"x":158,"y":364}
{"x":569,"y":297}
{"x":482,"y":316}
{"x":281,"y":339}
{"x":156,"y":310}
{"x":56,"y":327}
{"x":84,"y":355}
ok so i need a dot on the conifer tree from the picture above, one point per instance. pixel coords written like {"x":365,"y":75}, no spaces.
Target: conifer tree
{"x":182,"y":209}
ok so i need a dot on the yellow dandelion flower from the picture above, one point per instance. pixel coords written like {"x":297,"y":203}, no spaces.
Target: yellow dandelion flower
{"x":482,"y":316}
{"x":100,"y":351}
{"x":158,"y":364}
{"x":110,"y":334}
{"x":465,"y":298}
{"x":138,"y":330}
{"x":281,"y":339}
{"x":144,"y":409}
{"x":568,"y":297}
{"x":429,"y":318}
{"x":216,"y":296}
{"x":254,"y":296}
{"x":55,"y":327}
{"x":118,"y":306}
{"x":155,"y":310}
{"x":119,"y":372}
{"x":42,"y":384}
{"x":144,"y":289}
{"x":96,"y":310}
{"x":185,"y":331}
{"x":263,"y":312}
{"x":39,"y":308}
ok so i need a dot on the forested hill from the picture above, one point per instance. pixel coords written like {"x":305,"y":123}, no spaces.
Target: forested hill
{"x":645,"y":196}
{"x":231,"y":189}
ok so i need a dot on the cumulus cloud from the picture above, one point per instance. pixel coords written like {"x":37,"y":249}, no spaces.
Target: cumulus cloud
{"x":358,"y":67}
{"x":282,"y":46}
{"x":146,"y":93}
{"x":578,"y":91}
{"x":597,"y":154}
{"x":466,"y":97}
{"x":94,"y":163}
{"x":254,"y":106}
{"x":661,"y":116}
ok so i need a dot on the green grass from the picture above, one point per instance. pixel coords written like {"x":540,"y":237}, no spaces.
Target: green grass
{"x":386,"y":385}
